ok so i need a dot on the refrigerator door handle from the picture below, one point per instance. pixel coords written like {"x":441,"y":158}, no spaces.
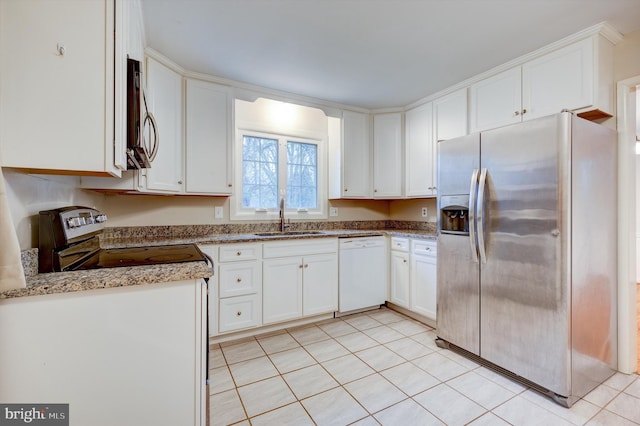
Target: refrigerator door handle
{"x":480,"y":215}
{"x":473,"y":188}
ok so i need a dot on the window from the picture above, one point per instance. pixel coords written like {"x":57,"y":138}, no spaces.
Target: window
{"x":276,"y":166}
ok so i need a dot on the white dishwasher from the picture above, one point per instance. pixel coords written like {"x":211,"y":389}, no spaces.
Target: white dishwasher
{"x":362,"y":273}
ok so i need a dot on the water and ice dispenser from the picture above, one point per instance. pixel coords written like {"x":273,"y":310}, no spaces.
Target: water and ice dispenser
{"x":454,"y":214}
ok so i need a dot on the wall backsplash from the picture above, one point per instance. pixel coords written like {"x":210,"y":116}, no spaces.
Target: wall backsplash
{"x":28,"y":194}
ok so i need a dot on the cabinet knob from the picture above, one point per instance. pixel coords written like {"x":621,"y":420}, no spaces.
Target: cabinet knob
{"x":375,"y":190}
{"x":179,"y":182}
{"x":306,"y":265}
{"x":229,"y":185}
{"x":300,"y":266}
{"x":516,"y":113}
{"x":239,"y":313}
{"x":239,"y":253}
{"x":404,"y":260}
{"x":524,"y":111}
{"x":346,"y":189}
{"x":239,"y":280}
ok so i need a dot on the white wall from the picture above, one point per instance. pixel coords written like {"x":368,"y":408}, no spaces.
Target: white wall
{"x":29,"y":194}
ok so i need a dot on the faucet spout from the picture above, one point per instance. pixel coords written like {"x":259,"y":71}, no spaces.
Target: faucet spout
{"x":282,"y":226}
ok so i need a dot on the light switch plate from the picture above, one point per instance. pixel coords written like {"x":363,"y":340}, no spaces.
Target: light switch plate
{"x":218,"y":213}
{"x":333,"y":211}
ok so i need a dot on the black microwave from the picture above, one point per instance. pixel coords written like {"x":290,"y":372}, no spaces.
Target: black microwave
{"x":142,"y":130}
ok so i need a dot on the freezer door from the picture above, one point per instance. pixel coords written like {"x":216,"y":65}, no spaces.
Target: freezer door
{"x":457,"y":158}
{"x":523,"y":302}
{"x":457,"y":311}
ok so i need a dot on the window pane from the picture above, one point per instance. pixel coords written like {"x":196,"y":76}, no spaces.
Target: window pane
{"x":302,"y":175}
{"x":259,"y":172}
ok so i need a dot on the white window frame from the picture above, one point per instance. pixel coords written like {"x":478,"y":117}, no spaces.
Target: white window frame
{"x":238,"y":212}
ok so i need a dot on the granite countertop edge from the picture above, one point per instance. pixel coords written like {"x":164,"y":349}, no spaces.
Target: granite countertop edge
{"x":75,"y":281}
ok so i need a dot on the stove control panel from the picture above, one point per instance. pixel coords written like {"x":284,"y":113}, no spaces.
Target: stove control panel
{"x":82,"y":222}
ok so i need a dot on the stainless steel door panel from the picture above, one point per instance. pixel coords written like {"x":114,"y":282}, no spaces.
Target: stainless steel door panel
{"x":456,"y":160}
{"x":523,"y":304}
{"x":593,"y":256}
{"x":458,"y":305}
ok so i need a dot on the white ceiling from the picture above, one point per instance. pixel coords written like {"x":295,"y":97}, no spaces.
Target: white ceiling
{"x":368,"y":53}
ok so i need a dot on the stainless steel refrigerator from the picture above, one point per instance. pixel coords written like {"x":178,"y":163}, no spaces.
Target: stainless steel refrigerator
{"x":527,"y":251}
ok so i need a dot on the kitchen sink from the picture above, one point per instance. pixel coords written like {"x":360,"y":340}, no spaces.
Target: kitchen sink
{"x":286,"y":233}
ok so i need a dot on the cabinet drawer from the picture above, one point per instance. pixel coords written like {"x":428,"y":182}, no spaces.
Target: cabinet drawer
{"x":239,"y":312}
{"x":239,"y":278}
{"x":424,"y":248}
{"x":300,"y":247}
{"x":399,"y":244}
{"x":233,"y":252}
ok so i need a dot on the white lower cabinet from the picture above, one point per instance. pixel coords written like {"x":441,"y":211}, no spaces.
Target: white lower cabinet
{"x":423,"y":279}
{"x":235,"y":291}
{"x":400,"y":272}
{"x":149,"y":341}
{"x":413,"y":275}
{"x":299,"y":278}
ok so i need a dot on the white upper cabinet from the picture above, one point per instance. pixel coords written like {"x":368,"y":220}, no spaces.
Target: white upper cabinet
{"x":387,"y":155}
{"x":209,"y":109}
{"x":420,"y":158}
{"x":58,"y":66}
{"x":164,"y":99}
{"x":356,"y":155}
{"x":450,"y":115}
{"x":496,"y":101}
{"x":577,"y":77}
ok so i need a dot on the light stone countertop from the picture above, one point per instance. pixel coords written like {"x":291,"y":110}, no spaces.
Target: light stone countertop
{"x":73,"y":281}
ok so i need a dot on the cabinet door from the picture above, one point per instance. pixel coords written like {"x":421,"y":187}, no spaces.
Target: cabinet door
{"x":281,"y":289}
{"x":58,"y":86}
{"x":562,"y":79}
{"x":496,"y":101}
{"x":400,"y":279}
{"x":387,"y":155}
{"x":208,"y":145}
{"x":320,"y":284}
{"x":356,"y":155}
{"x":420,"y":154}
{"x":450,"y":115}
{"x":164,"y":99}
{"x":423,"y":285}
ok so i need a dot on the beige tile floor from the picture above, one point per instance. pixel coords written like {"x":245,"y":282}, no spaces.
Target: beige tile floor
{"x":381,"y":367}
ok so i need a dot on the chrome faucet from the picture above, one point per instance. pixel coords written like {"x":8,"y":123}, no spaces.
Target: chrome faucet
{"x":282,"y":225}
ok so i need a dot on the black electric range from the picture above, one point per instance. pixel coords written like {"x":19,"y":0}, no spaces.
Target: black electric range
{"x":69,"y":242}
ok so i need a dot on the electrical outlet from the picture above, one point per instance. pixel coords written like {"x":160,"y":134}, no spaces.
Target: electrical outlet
{"x":424,"y":212}
{"x":333,"y":211}
{"x":218,"y":213}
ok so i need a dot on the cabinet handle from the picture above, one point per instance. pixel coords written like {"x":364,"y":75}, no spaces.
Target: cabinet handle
{"x":239,"y":280}
{"x":239,"y":313}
